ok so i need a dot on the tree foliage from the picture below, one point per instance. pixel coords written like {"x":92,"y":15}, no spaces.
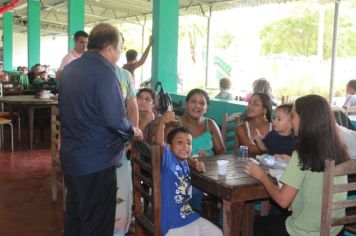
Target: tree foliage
{"x":298,"y":36}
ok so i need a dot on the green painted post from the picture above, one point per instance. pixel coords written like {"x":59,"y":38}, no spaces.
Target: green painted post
{"x":7,"y":46}
{"x":75,"y":19}
{"x":165,"y":46}
{"x":34,"y":32}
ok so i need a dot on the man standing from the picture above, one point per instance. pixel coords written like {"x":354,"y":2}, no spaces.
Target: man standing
{"x":94,"y":131}
{"x":80,"y":46}
{"x":132,"y":63}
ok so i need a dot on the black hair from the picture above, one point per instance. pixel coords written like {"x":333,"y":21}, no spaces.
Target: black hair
{"x":352,"y":84}
{"x":35,"y":65}
{"x":197,"y":91}
{"x":131,"y":55}
{"x":175,"y":131}
{"x":80,"y":33}
{"x":317,"y":138}
{"x":266,"y":103}
{"x":152,"y":93}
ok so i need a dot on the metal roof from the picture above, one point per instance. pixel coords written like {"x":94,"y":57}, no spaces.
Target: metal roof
{"x":54,"y":12}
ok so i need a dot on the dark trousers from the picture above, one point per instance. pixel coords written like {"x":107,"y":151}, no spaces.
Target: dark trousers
{"x":270,"y":226}
{"x":90,"y":204}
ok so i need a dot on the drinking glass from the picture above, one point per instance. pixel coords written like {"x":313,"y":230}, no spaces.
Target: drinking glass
{"x":243,"y":153}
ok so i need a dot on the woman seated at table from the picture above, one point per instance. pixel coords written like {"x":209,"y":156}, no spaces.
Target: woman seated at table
{"x":317,"y":140}
{"x":207,"y":139}
{"x":147,"y":101}
{"x":43,"y":82}
{"x":257,"y":121}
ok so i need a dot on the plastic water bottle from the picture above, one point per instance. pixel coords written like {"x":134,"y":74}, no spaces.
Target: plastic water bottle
{"x":272,"y":162}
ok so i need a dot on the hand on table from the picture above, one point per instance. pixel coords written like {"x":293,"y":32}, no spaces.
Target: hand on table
{"x":254,"y":170}
{"x":198,"y":165}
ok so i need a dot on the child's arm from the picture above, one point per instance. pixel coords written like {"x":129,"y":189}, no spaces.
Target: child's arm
{"x":167,"y":117}
{"x":260,"y":144}
{"x":196,"y":164}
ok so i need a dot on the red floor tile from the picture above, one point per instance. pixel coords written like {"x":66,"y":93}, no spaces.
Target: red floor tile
{"x":26,"y":207}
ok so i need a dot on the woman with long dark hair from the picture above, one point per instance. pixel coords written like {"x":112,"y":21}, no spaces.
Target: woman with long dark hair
{"x":317,"y":140}
{"x":257,"y":122}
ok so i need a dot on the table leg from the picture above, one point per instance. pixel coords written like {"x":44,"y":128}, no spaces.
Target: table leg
{"x":30,"y":122}
{"x":247,"y":221}
{"x":232,"y":218}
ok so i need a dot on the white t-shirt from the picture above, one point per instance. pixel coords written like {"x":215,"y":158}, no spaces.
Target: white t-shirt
{"x":348,"y":137}
{"x":350,"y":101}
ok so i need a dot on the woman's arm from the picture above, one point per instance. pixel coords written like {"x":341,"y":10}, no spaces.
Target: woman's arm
{"x":283,"y":196}
{"x":241,"y":133}
{"x":219,"y":146}
{"x":260,"y":144}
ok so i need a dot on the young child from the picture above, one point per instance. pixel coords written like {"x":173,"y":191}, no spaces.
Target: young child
{"x":177,"y":216}
{"x":225,"y":85}
{"x":280,"y":141}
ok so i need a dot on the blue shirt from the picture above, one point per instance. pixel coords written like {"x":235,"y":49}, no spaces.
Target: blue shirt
{"x":94,"y":127}
{"x":278,"y":144}
{"x":176,"y":191}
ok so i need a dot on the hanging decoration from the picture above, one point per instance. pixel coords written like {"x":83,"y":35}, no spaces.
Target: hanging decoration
{"x":8,"y":6}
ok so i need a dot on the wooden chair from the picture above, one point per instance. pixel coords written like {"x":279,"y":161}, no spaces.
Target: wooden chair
{"x":56,"y":168}
{"x":328,"y":204}
{"x":146,"y":181}
{"x":341,"y":117}
{"x":3,"y":122}
{"x":229,"y":123}
{"x":351,"y":110}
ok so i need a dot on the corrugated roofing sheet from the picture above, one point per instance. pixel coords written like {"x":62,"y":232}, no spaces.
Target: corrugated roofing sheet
{"x":54,"y":12}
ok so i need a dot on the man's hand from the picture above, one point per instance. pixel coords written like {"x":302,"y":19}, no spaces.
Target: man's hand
{"x":137,"y":134}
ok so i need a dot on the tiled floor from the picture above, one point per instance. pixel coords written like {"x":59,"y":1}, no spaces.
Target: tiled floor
{"x":26,"y":207}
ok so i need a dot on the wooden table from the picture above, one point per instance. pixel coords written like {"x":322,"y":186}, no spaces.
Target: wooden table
{"x":236,"y":189}
{"x":30,"y":102}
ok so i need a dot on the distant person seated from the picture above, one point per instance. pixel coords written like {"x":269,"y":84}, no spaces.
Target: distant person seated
{"x":22,"y":77}
{"x":43,"y":82}
{"x":34,"y":73}
{"x":350,"y":94}
{"x":225,"y":86}
{"x":49,"y":71}
{"x":132,"y":63}
{"x":24,"y":69}
{"x":3,"y":75}
{"x":261,"y":85}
